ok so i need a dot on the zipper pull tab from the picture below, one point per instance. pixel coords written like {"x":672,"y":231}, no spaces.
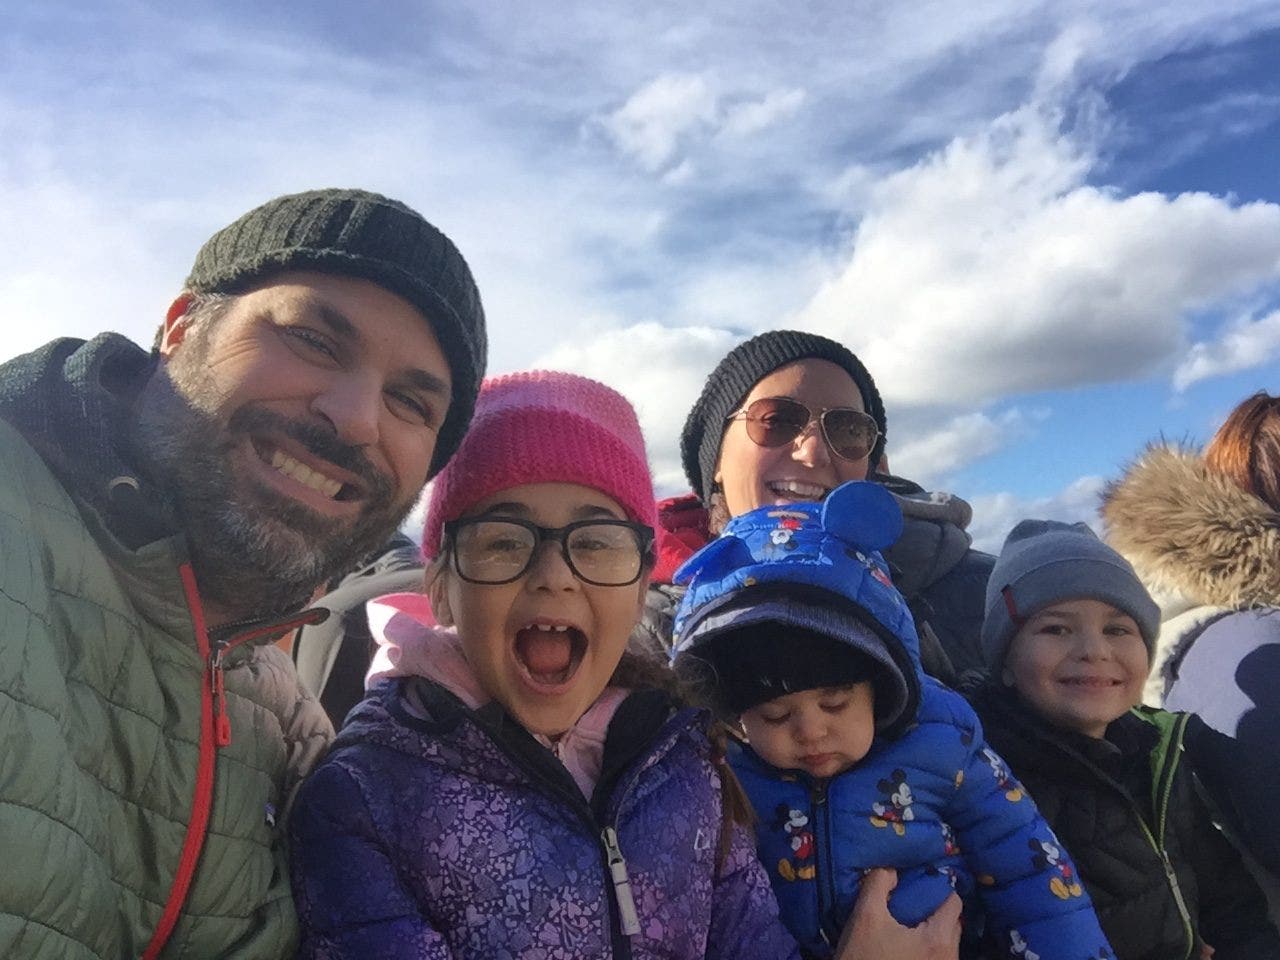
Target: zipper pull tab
{"x":222,"y":723}
{"x":621,"y":884}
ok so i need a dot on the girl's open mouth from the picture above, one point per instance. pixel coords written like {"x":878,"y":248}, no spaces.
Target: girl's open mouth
{"x":549,"y":654}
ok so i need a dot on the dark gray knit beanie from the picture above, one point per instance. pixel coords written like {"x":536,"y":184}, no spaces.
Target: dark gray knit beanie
{"x":740,"y":370}
{"x":364,"y":235}
{"x":1044,"y":562}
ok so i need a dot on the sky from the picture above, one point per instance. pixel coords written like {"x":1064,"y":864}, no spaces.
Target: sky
{"x":1050,"y":230}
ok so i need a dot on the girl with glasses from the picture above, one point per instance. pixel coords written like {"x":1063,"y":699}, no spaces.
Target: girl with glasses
{"x":517,"y":785}
{"x":788,"y":416}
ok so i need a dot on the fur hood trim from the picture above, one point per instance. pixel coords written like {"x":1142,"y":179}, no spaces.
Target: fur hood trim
{"x":1191,"y":532}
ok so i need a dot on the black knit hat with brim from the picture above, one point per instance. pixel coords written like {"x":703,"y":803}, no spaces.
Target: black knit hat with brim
{"x":368,"y":236}
{"x":741,"y":369}
{"x":764,"y":661}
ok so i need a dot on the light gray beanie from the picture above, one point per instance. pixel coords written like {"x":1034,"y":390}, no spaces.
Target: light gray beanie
{"x":1045,"y":561}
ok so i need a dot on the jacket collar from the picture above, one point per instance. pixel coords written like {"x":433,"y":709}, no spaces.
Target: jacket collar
{"x":73,"y":402}
{"x":1193,"y":537}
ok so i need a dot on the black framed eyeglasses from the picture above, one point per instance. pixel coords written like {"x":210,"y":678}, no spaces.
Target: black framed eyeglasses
{"x":494,"y":550}
{"x":776,"y":421}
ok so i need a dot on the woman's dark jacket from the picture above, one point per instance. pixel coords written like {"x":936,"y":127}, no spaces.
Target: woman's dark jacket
{"x":1163,"y":879}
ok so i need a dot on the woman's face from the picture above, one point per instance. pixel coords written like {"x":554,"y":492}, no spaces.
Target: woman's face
{"x":753,"y":476}
{"x":546,"y":644}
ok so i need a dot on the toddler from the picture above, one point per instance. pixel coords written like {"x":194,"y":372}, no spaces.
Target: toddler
{"x":1068,"y":638}
{"x":856,"y":759}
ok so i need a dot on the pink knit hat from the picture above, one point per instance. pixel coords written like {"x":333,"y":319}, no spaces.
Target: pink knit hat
{"x":544,"y":427}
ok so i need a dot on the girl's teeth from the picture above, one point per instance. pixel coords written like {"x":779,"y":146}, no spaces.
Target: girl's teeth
{"x":547,"y":627}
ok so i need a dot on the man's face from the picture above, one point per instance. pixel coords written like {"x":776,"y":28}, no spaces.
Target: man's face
{"x":295,"y":429}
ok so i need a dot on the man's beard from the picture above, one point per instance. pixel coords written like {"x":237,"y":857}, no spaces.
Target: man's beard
{"x":256,"y":551}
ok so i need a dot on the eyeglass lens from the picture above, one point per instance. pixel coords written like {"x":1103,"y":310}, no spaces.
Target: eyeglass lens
{"x":774,"y":421}
{"x":498,"y":551}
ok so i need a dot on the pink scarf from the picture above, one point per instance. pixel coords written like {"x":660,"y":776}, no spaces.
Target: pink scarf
{"x":412,"y":644}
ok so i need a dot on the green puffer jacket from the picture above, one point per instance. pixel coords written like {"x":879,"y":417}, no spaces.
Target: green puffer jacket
{"x":110,"y":715}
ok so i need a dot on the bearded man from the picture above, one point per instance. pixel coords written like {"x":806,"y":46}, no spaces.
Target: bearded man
{"x":164,"y":515}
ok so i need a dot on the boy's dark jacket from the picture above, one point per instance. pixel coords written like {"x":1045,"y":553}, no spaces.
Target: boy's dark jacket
{"x":1128,"y":811}
{"x":934,"y":802}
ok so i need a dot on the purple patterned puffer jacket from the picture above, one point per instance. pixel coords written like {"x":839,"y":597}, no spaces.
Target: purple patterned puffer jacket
{"x":433,"y":831}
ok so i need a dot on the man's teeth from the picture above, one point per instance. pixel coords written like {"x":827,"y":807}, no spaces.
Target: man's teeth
{"x":305,"y":475}
{"x":547,"y":627}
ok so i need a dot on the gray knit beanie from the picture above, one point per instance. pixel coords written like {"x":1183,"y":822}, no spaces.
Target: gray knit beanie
{"x":740,"y":370}
{"x":365,"y":235}
{"x":1045,"y":561}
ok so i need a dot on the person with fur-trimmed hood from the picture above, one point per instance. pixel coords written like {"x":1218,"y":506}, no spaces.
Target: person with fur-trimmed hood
{"x":856,"y":759}
{"x":1203,"y":533}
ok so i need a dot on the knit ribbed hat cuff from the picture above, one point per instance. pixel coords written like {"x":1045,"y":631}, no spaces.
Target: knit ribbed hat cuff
{"x":538,"y":445}
{"x":1068,"y":578}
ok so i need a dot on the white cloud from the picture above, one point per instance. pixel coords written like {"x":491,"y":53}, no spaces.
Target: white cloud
{"x":651,"y":124}
{"x":1245,"y":343}
{"x":989,"y":266}
{"x":994,"y":515}
{"x":744,"y":119}
{"x":931,"y":454}
{"x":992,"y":267}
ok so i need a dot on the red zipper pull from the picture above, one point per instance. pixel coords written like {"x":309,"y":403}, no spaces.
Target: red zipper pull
{"x":221,"y":720}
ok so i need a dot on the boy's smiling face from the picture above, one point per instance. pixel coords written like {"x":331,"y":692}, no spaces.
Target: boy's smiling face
{"x":1080,"y":663}
{"x":822,"y":732}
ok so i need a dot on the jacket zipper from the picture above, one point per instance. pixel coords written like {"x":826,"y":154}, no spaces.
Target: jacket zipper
{"x":202,"y":801}
{"x":215,"y":733}
{"x":621,"y":882}
{"x":624,"y":920}
{"x":1161,"y":785}
{"x":219,"y":650}
{"x":824,"y":875}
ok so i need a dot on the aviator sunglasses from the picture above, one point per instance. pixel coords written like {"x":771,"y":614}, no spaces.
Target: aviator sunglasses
{"x":776,"y":421}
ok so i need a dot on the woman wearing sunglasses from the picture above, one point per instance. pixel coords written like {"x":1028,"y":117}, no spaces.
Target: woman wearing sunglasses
{"x":788,"y":416}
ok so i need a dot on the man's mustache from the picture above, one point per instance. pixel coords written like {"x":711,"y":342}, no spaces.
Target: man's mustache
{"x":318,"y":441}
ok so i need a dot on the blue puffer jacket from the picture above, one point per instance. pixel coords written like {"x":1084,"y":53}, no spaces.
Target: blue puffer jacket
{"x":930,"y":799}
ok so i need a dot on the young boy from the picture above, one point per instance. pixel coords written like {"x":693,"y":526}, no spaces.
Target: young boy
{"x":1068,"y":638}
{"x":856,"y":759}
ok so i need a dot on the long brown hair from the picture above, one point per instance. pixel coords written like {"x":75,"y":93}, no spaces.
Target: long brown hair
{"x":1246,"y":448}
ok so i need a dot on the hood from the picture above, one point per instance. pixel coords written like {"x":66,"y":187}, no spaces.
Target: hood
{"x":681,"y":531}
{"x":73,"y":402}
{"x":1193,"y":536}
{"x":812,"y":566}
{"x":934,"y":536}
